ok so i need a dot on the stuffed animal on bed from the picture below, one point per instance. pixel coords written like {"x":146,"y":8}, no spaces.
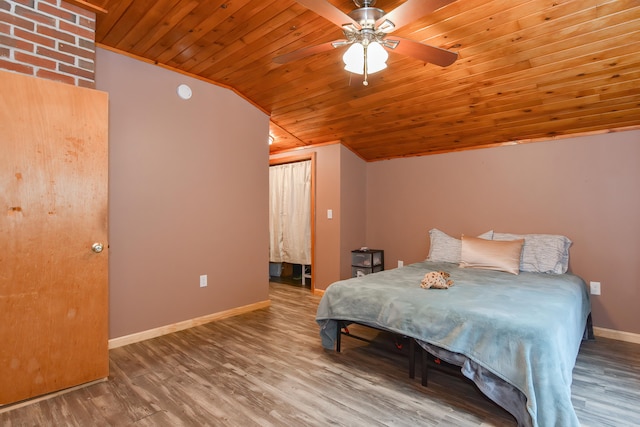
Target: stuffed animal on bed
{"x":437,"y":280}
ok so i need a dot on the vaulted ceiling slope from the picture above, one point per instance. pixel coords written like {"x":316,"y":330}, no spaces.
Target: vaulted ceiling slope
{"x":527,"y":69}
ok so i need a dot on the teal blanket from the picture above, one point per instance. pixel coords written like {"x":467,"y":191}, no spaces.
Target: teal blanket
{"x":525,"y":329}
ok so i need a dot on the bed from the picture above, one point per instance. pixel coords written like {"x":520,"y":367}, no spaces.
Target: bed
{"x":516,"y":336}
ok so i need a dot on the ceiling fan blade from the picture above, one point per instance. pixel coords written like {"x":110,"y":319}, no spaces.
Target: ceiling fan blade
{"x":306,"y":51}
{"x":409,"y":11}
{"x":329,"y":12}
{"x":424,"y":52}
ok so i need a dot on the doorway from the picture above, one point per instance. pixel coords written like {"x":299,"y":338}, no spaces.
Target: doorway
{"x":292,"y":220}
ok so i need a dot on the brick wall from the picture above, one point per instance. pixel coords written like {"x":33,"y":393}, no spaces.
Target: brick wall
{"x":50,"y":39}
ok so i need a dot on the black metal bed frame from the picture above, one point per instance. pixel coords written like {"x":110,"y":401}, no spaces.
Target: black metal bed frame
{"x":427,"y":360}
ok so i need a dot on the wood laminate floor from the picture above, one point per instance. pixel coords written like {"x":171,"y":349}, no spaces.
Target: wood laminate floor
{"x":267,"y":368}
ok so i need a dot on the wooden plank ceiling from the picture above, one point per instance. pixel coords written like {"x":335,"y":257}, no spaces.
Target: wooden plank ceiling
{"x":527,"y":69}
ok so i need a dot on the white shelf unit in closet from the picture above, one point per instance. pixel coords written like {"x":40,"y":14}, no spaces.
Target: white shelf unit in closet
{"x":306,"y":273}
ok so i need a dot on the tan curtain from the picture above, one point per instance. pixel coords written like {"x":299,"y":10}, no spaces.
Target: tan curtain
{"x":290,"y":213}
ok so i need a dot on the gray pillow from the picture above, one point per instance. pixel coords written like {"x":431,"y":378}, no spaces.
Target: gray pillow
{"x":541,"y":253}
{"x":445,"y":248}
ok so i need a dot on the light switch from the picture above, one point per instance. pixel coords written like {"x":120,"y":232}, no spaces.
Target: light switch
{"x":329,"y":213}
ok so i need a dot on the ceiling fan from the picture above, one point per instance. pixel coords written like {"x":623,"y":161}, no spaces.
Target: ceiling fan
{"x":366,"y":29}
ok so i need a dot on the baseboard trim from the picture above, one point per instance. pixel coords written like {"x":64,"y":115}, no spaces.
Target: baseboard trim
{"x":21,"y":404}
{"x":175,"y":327}
{"x":616,"y":335}
{"x":318,"y":292}
{"x":163,"y":330}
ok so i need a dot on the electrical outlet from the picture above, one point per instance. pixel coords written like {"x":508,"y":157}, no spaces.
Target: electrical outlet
{"x":203,"y":281}
{"x":400,"y":263}
{"x":595,"y":288}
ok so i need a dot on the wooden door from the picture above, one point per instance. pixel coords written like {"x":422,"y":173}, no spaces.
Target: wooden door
{"x":53,"y":193}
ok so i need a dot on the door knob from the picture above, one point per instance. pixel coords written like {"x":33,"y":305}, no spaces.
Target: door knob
{"x":97,"y":247}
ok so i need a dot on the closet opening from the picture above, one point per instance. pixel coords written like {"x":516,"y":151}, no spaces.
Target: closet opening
{"x":292,"y":220}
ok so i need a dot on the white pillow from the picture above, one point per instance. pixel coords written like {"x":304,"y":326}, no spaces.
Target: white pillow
{"x":445,"y":248}
{"x":491,"y":254}
{"x":541,"y":253}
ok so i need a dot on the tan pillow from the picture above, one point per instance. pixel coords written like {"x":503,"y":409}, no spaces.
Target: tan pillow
{"x":491,"y":254}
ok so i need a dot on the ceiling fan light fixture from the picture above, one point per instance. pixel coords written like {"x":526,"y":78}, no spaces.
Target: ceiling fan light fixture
{"x":376,"y":58}
{"x":353,"y":59}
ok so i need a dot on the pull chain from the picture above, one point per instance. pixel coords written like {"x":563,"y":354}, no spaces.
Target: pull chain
{"x":365,"y":82}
